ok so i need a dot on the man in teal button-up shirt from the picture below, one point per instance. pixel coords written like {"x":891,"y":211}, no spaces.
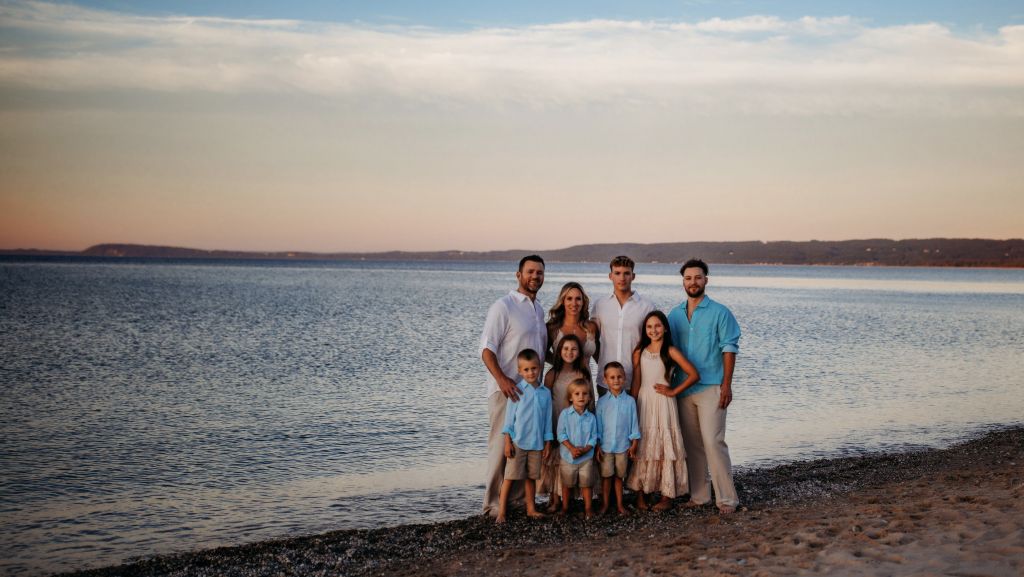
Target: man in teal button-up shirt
{"x":707,"y":333}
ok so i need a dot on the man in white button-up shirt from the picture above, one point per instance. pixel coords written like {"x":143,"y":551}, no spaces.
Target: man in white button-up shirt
{"x":515,"y":322}
{"x":619,"y":316}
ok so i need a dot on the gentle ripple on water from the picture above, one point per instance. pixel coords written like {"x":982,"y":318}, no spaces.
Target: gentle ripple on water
{"x":155,"y":407}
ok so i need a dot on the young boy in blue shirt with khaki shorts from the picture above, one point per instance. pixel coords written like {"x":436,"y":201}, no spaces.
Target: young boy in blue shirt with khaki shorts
{"x":527,"y":433}
{"x":618,"y":432}
{"x":577,"y":435}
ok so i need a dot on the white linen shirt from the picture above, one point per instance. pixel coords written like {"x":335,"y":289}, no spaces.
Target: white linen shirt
{"x":620,"y":331}
{"x":514,"y":322}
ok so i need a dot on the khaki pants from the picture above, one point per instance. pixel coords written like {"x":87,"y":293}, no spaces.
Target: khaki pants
{"x":704,"y":440}
{"x":496,"y":458}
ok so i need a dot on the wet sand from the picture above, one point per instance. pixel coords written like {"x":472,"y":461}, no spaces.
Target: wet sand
{"x":957,"y":511}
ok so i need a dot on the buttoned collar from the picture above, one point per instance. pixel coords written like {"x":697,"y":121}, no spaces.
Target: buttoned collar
{"x":521,"y":297}
{"x":572,"y":409}
{"x":526,"y":385}
{"x":632,"y":296}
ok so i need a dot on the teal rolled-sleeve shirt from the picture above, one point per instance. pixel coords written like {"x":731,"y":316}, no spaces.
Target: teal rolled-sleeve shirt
{"x":711,"y":331}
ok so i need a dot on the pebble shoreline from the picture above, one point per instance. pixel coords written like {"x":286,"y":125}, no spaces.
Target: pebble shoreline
{"x":377,"y":551}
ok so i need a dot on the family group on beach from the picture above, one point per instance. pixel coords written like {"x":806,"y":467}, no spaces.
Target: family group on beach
{"x":663,"y":387}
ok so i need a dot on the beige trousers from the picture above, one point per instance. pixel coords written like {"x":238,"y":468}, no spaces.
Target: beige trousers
{"x":704,"y":440}
{"x":496,"y":458}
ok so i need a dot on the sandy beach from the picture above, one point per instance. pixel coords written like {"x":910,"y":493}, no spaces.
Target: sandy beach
{"x":957,"y":511}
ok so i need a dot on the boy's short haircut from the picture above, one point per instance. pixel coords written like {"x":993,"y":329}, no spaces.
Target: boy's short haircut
{"x":576,"y":384}
{"x":621,"y":261}
{"x":528,"y":355}
{"x":694,"y":262}
{"x":613,"y":365}
{"x":530,"y":258}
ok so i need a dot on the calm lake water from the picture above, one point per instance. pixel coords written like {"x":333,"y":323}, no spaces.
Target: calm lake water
{"x":152,"y":407}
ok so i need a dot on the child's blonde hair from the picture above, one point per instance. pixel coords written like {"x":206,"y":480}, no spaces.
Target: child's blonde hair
{"x":576,"y":384}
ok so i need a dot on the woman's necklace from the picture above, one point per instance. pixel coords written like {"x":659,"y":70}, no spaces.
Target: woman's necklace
{"x":573,"y":330}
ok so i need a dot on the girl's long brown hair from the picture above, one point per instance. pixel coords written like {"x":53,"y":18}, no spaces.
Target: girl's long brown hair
{"x":666,"y":342}
{"x":558,"y":364}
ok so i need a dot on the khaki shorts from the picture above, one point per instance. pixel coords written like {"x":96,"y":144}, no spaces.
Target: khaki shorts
{"x":614,"y":464}
{"x":578,"y":475}
{"x":524,"y":465}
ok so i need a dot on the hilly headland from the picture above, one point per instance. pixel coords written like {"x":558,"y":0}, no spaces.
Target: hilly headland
{"x":958,"y":252}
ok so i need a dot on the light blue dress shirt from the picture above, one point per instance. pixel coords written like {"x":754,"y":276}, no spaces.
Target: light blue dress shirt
{"x":580,"y":429}
{"x":617,"y":423}
{"x":712,"y":331}
{"x":528,"y":421}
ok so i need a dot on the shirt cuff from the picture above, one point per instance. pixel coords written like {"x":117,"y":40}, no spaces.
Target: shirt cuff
{"x":730,"y":349}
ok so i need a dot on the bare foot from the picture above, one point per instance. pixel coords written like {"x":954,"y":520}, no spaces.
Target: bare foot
{"x":624,"y":512}
{"x":588,"y":515}
{"x":499,"y":520}
{"x":535,"y":514}
{"x":726,"y":510}
{"x":664,"y":505}
{"x":692,"y":505}
{"x":603,"y":510}
{"x":554,"y":507}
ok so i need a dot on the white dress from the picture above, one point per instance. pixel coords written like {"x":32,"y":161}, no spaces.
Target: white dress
{"x":660,"y":465}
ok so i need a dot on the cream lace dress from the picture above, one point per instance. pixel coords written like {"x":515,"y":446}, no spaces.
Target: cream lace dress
{"x":660,"y":465}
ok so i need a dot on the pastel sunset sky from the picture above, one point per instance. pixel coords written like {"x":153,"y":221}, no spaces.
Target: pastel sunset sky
{"x":383,"y":125}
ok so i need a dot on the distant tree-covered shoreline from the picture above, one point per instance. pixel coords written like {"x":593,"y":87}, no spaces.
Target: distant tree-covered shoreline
{"x":867,"y":252}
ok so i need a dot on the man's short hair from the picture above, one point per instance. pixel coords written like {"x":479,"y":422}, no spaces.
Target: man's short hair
{"x":621,"y":261}
{"x":694,"y":262}
{"x":614,"y":365}
{"x":530,"y":258}
{"x":528,"y":355}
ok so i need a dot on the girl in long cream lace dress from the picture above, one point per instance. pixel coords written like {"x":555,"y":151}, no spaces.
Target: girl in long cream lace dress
{"x":660,"y":465}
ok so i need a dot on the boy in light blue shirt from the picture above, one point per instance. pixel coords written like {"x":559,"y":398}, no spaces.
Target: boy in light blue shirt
{"x":577,"y":434}
{"x":618,"y":434}
{"x":527,"y":433}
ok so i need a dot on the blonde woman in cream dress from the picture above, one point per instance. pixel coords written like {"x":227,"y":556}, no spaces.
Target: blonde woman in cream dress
{"x":570,"y":315}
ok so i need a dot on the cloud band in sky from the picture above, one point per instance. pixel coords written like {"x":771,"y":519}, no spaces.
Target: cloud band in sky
{"x":760,"y":64}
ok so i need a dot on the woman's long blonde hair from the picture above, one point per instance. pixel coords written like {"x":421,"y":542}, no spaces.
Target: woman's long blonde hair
{"x":557,"y":313}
